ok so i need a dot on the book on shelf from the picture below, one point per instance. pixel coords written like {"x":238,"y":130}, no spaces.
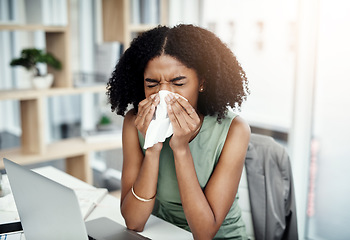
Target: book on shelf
{"x":144,"y":11}
{"x":135,"y":16}
{"x":106,"y":57}
{"x":46,"y":12}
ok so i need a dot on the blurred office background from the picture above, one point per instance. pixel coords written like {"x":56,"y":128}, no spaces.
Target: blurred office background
{"x":296,"y":56}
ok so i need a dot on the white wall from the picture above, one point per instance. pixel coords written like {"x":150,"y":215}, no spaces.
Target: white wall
{"x":299,"y":78}
{"x":328,"y":208}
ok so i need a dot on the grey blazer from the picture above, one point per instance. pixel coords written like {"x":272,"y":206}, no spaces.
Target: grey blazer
{"x":271,"y":189}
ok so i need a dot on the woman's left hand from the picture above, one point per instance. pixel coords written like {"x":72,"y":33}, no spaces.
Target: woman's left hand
{"x":184,"y":119}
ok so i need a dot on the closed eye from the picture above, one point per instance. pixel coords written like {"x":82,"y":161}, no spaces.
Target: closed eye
{"x":150,"y":83}
{"x":178,"y":81}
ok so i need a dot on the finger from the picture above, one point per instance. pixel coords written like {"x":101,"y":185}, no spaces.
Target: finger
{"x":146,"y":110}
{"x":141,"y":113}
{"x":183,"y":121}
{"x":179,"y":113}
{"x":148,"y":116}
{"x":143,"y":103}
{"x":142,"y":123}
{"x":146,"y":104}
{"x":172,"y":117}
{"x":189,"y":113}
{"x":170,"y":99}
{"x":187,"y":106}
{"x":146,"y":100}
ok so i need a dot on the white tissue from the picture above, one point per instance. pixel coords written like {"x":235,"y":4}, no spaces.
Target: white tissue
{"x":160,"y":127}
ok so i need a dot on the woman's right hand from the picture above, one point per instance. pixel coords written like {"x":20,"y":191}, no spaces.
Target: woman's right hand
{"x":145,"y":113}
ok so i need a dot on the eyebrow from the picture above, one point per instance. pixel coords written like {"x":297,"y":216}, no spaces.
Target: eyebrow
{"x":151,"y":80}
{"x":177,"y":78}
{"x":171,"y":80}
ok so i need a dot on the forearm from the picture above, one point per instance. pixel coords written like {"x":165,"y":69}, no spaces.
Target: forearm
{"x":199,"y":215}
{"x":134,"y":211}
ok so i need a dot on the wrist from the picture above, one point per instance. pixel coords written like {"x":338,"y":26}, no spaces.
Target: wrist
{"x":181,"y":151}
{"x":154,"y":151}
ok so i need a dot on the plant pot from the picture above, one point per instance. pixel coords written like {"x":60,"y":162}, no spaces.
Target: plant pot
{"x":42,"y":82}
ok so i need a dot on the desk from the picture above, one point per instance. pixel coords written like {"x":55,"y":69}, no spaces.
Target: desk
{"x":155,"y":228}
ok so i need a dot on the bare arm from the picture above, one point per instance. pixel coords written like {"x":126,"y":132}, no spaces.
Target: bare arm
{"x":139,"y":171}
{"x":205,"y":211}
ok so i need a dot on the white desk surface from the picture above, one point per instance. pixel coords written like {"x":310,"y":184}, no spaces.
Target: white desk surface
{"x":155,"y":228}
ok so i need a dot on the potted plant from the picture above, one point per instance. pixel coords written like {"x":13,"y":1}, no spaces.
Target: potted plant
{"x":105,"y":123}
{"x":29,"y":59}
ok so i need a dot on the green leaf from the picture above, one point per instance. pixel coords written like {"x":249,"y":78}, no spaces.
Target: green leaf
{"x":31,"y":56}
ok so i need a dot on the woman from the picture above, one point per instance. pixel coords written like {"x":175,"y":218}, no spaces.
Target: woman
{"x":191,"y":179}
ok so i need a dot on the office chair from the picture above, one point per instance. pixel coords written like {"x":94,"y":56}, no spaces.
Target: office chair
{"x":266,"y":191}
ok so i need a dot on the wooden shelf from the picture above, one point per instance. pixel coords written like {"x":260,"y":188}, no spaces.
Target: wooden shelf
{"x":28,"y":94}
{"x":57,"y":43}
{"x":75,"y":150}
{"x":23,"y":27}
{"x":62,"y":149}
{"x":141,"y":27}
{"x":116,"y":21}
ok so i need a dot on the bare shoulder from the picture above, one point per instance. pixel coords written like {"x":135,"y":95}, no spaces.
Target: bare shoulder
{"x":237,"y":140}
{"x":130,"y":116}
{"x":226,"y":175}
{"x":129,"y":128}
{"x":240,"y":128}
{"x":129,"y":121}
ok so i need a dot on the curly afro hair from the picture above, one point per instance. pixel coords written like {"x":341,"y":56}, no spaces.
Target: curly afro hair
{"x":199,"y":49}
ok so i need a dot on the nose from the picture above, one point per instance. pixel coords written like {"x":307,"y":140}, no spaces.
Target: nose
{"x":165,"y":86}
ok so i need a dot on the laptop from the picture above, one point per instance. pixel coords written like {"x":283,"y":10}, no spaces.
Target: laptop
{"x":49,"y":210}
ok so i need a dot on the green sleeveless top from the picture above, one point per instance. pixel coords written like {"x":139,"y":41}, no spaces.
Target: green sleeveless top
{"x":205,"y":148}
